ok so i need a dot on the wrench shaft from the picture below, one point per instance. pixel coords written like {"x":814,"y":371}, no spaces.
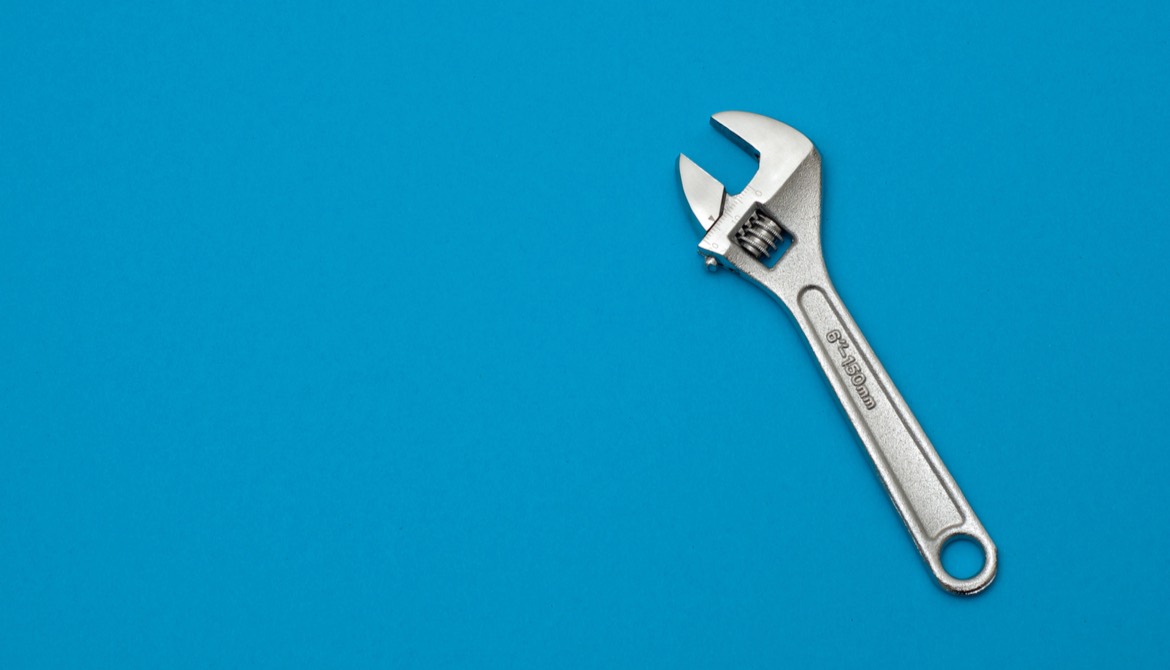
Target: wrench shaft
{"x":923,"y":491}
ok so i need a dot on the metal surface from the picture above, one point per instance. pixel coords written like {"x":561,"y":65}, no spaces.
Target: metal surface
{"x":786,"y":190}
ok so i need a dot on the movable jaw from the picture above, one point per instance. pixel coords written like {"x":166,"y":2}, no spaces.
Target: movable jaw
{"x":782,"y":199}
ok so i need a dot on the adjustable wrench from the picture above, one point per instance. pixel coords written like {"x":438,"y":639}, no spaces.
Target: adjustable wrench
{"x":781,"y":207}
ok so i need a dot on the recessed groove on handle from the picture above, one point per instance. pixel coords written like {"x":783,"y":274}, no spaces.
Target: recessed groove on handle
{"x":930,"y":503}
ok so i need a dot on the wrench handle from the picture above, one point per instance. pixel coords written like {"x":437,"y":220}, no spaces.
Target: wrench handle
{"x":924,"y":493}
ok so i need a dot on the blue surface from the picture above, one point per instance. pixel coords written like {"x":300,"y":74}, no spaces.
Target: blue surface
{"x":374,"y":335}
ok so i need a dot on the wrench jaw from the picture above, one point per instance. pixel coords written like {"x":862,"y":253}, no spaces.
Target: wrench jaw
{"x":785,"y":189}
{"x":705,"y":194}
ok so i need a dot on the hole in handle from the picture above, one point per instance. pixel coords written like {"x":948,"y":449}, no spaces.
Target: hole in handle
{"x":963,"y":556}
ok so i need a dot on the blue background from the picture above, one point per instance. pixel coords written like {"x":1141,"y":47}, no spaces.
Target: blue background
{"x":374,"y":334}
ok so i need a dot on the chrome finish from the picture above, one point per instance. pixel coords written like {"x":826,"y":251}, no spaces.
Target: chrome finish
{"x":740,"y":229}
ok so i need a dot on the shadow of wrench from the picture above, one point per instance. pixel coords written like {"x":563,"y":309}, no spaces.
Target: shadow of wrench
{"x":771,"y":234}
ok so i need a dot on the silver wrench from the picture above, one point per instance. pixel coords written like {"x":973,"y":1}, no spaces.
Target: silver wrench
{"x":781,"y":207}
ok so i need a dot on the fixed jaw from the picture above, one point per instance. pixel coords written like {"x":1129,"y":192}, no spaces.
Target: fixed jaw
{"x":777,"y":213}
{"x":780,"y":149}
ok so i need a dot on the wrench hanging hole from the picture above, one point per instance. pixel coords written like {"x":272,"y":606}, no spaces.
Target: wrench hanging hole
{"x":763,"y":238}
{"x":962,"y":557}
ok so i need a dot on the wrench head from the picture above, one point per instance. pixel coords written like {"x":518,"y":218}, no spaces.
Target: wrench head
{"x":786,"y":186}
